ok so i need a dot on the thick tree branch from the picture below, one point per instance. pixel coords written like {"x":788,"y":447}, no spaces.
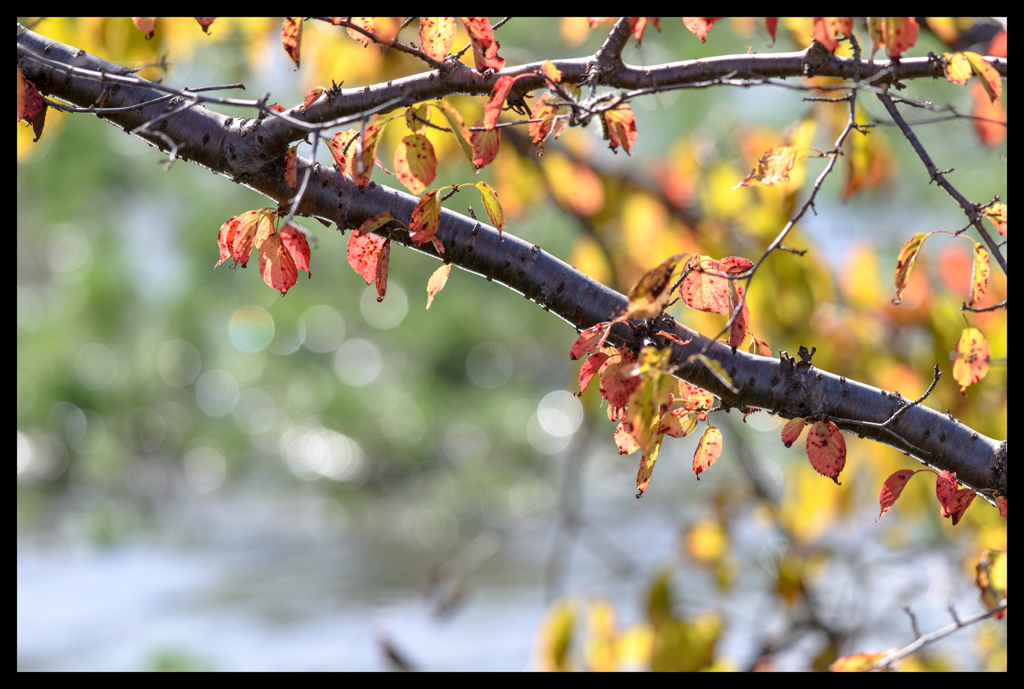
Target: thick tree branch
{"x":251,"y":152}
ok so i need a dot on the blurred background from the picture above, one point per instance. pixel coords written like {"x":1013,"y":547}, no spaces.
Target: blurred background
{"x":211,"y":476}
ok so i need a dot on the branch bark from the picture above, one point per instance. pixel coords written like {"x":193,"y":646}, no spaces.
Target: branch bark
{"x":251,"y":151}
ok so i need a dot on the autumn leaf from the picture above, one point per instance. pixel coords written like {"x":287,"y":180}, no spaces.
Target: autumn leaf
{"x":436,"y":36}
{"x":892,"y":488}
{"x":996,"y":214}
{"x":700,"y":26}
{"x":548,"y":117}
{"x":972,"y":358}
{"x":296,"y":246}
{"x":589,"y":340}
{"x":590,"y":367}
{"x":437,"y":282}
{"x":485,"y":47}
{"x":653,"y":291}
{"x":491,"y":205}
{"x":312,"y":95}
{"x":146,"y":25}
{"x":695,"y":399}
{"x":979,"y":274}
{"x":705,"y":287}
{"x":239,"y":234}
{"x":415,"y":163}
{"x":276,"y":265}
{"x":958,"y":68}
{"x":364,"y":253}
{"x":485,"y":145}
{"x":905,"y":262}
{"x":643,"y":477}
{"x":792,"y":430}
{"x":366,"y":23}
{"x":826,"y":449}
{"x":772,"y":168}
{"x":492,"y":109}
{"x":549,"y":70}
{"x":709,"y":447}
{"x":341,"y":148}
{"x":291,"y":37}
{"x":991,"y":579}
{"x":380,"y":278}
{"x":990,"y":79}
{"x":367,"y":154}
{"x":31,"y":106}
{"x":458,"y":127}
{"x":425,"y":218}
{"x":289,"y":166}
{"x":953,"y":502}
{"x":624,"y":441}
{"x":679,"y":423}
{"x":620,"y":127}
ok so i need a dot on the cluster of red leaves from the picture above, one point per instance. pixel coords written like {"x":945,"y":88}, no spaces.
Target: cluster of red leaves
{"x":953,"y":501}
{"x":281,"y":253}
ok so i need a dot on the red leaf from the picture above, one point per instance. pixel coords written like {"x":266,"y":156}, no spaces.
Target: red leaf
{"x":31,"y":106}
{"x":311,"y":96}
{"x":893,"y":488}
{"x":295,"y":244}
{"x":954,"y":502}
{"x":364,"y":253}
{"x":589,"y":340}
{"x":492,"y":109}
{"x":485,"y":48}
{"x":291,"y":37}
{"x":826,"y":449}
{"x":276,"y":266}
{"x":485,"y":145}
{"x":590,"y":367}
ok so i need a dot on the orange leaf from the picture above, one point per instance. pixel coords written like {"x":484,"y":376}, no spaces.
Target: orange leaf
{"x":239,"y":234}
{"x":485,"y":48}
{"x":31,"y":106}
{"x":990,"y":120}
{"x":437,"y":35}
{"x":742,"y":320}
{"x":709,"y":447}
{"x":363,"y":23}
{"x":695,"y":399}
{"x":146,"y":25}
{"x":705,"y":289}
{"x":893,"y":488}
{"x":620,"y":127}
{"x":296,"y":246}
{"x":972,"y":357}
{"x":367,"y":152}
{"x":826,"y":449}
{"x":375,"y":222}
{"x":415,"y":163}
{"x":289,"y":166}
{"x":773,"y":167}
{"x":623,"y":440}
{"x":900,"y":34}
{"x":364,"y":253}
{"x":311,"y":96}
{"x":491,"y":205}
{"x":291,"y":37}
{"x":905,"y":261}
{"x":437,"y":282}
{"x":341,"y":148}
{"x":550,"y":118}
{"x":380,"y":278}
{"x":549,"y":70}
{"x":679,"y":423}
{"x":700,"y":26}
{"x":792,"y":430}
{"x":276,"y":265}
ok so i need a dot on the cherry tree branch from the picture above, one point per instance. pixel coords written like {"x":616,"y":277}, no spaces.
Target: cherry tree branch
{"x":251,"y":152}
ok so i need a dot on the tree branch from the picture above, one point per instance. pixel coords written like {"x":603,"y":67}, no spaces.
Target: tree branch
{"x":251,"y":152}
